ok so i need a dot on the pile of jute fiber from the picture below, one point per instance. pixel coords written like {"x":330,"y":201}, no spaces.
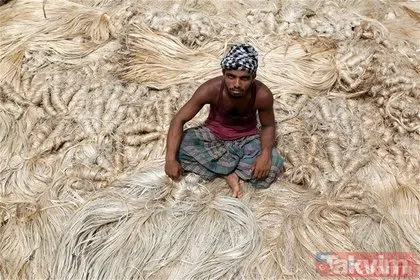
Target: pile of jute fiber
{"x":87,"y":92}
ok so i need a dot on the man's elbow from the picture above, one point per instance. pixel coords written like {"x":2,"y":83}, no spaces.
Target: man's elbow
{"x":177,"y":122}
{"x":268,"y":127}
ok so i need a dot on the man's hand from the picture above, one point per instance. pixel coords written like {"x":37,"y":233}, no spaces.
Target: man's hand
{"x":261,"y":166}
{"x":173,"y":169}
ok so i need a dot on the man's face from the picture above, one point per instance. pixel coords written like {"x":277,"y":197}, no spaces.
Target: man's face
{"x":237,"y":82}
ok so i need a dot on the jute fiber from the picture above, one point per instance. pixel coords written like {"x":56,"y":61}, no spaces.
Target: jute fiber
{"x":87,"y":92}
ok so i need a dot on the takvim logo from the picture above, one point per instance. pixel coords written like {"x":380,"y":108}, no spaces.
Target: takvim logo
{"x":366,"y":264}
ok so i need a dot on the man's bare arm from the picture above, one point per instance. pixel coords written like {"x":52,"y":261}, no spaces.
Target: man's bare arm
{"x":201,"y":97}
{"x":186,"y":113}
{"x":262,"y":164}
{"x":268,"y":130}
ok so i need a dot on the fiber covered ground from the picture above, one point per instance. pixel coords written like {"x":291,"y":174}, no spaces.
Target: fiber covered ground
{"x":87,"y":91}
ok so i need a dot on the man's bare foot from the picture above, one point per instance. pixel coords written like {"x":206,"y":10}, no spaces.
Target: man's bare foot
{"x":233,"y":181}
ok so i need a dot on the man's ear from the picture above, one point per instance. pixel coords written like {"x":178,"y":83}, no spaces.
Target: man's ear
{"x":223,"y":71}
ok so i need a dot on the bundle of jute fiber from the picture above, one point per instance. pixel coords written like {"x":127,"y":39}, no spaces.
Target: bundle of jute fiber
{"x":390,"y":80}
{"x":340,"y":166}
{"x":325,"y":145}
{"x":288,"y":67}
{"x":197,"y":22}
{"x":86,"y":97}
{"x":158,"y":59}
{"x":203,"y":233}
{"x":337,"y":20}
{"x":396,"y":196}
{"x":50,"y":128}
{"x":404,"y":22}
{"x":373,"y":65}
{"x":58,"y":27}
{"x":147,"y":63}
{"x":335,"y":222}
{"x":399,"y":151}
{"x":189,"y":22}
{"x":30,"y":230}
{"x":192,"y":225}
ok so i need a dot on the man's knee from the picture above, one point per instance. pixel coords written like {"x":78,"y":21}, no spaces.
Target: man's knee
{"x":276,"y":160}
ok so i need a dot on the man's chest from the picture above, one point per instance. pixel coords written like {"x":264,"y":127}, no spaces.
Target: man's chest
{"x":236,"y":106}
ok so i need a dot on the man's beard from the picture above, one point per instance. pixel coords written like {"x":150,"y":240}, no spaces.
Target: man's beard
{"x":236,"y":93}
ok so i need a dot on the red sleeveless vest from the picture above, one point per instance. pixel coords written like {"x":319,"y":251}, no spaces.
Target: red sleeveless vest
{"x":227,"y":126}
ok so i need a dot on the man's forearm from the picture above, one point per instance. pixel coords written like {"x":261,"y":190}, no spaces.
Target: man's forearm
{"x":173,"y":139}
{"x":267,"y":139}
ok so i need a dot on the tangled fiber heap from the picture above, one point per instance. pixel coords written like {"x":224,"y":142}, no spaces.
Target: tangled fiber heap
{"x":87,"y":92}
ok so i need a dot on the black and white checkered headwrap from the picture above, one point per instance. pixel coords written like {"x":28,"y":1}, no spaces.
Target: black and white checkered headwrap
{"x":241,"y":57}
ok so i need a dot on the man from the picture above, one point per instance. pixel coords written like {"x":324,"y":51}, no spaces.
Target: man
{"x":229,"y":143}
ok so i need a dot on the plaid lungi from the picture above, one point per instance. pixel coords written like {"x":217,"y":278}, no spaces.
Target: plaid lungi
{"x":202,"y":153}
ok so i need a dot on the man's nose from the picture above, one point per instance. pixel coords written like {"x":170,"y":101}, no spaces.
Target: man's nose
{"x":237,"y":82}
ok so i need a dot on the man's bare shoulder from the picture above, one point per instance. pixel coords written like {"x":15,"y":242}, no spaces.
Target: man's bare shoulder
{"x":209,"y":90}
{"x":264,"y":97}
{"x":212,"y":85}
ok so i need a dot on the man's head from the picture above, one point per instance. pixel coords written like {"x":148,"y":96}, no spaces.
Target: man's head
{"x":239,"y":69}
{"x":241,"y":57}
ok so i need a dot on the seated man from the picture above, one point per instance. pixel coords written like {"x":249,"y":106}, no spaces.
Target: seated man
{"x":228,"y":144}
